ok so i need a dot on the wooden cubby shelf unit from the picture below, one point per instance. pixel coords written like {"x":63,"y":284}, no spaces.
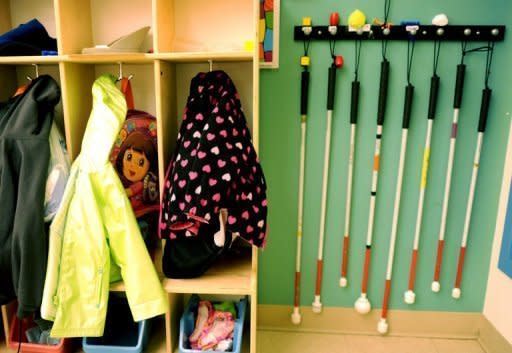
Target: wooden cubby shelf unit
{"x":184,"y":37}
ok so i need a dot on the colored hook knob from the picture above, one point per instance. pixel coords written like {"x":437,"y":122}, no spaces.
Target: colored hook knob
{"x":334,"y":20}
{"x":338,"y":61}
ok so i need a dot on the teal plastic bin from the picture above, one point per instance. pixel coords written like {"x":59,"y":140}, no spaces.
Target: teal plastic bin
{"x":122,"y":334}
{"x":188,"y":321}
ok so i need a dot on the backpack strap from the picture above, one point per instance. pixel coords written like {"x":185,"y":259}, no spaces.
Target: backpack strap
{"x":126,"y":88}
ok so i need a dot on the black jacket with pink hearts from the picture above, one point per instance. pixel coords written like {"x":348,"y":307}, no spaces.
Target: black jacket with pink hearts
{"x":214,"y":166}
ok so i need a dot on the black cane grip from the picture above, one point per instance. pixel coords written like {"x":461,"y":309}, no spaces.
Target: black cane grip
{"x":330,"y":88}
{"x":484,"y":109}
{"x":383,"y":91}
{"x":432,"y":102}
{"x":409,"y":94}
{"x":304,"y":89}
{"x":459,"y":85}
{"x":354,"y":102}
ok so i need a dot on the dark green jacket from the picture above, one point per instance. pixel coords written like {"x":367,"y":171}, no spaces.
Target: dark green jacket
{"x":25,"y":123}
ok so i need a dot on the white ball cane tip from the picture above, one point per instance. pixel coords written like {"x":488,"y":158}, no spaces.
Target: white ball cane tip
{"x":409,"y":297}
{"x":362,"y":305}
{"x":456,"y":293}
{"x":382,"y":326}
{"x":343,"y":282}
{"x":317,"y":307}
{"x":436,"y":286}
{"x":296,"y":318}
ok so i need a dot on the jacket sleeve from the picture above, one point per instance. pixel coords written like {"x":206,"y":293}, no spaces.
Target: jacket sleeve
{"x":30,"y":240}
{"x":31,"y":127}
{"x":143,"y":287}
{"x":48,"y":307}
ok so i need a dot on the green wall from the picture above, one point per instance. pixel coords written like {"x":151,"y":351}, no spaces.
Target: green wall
{"x":279,"y":148}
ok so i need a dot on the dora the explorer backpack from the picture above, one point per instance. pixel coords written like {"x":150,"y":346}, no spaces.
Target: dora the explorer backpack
{"x":134,"y":156}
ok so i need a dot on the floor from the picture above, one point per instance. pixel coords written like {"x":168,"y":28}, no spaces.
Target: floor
{"x":293,"y":342}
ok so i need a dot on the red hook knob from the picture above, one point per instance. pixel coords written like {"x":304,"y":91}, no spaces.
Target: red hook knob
{"x":334,"y":20}
{"x":338,"y":61}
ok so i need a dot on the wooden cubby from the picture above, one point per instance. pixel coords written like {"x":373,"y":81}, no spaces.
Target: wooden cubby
{"x":185,"y":37}
{"x":183,"y":26}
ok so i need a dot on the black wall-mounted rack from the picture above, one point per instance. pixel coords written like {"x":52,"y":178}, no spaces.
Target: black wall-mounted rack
{"x":399,"y":32}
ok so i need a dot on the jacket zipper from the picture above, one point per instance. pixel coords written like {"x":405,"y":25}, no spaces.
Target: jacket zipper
{"x":100,"y":287}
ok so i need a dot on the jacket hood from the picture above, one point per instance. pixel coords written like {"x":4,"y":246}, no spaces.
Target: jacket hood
{"x":31,"y":109}
{"x":107,"y":117}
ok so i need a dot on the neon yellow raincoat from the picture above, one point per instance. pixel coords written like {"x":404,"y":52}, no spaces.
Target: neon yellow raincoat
{"x":94,"y":238}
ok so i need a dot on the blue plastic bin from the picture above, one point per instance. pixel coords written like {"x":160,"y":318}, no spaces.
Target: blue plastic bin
{"x":187,"y":324}
{"x":122,"y":346}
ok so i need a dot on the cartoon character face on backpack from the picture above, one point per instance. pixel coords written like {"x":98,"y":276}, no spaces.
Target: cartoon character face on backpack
{"x":135,"y":165}
{"x":136,"y":158}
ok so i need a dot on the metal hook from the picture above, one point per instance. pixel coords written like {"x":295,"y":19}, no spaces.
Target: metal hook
{"x":120,"y":77}
{"x":121,"y":72}
{"x":210,"y":62}
{"x":36,"y":66}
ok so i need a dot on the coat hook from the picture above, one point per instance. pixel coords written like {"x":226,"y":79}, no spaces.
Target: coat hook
{"x":120,"y":71}
{"x":210,"y":61}
{"x":36,"y":66}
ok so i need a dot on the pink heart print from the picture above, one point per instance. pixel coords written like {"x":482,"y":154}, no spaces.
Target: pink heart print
{"x":215,"y":164}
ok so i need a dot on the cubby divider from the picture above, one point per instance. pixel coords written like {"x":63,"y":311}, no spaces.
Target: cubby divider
{"x":167,"y":122}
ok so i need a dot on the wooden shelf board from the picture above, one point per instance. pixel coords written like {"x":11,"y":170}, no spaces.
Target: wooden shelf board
{"x":229,"y":276}
{"x":117,"y":287}
{"x":205,"y":56}
{"x":128,"y":58}
{"x":27,"y":60}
